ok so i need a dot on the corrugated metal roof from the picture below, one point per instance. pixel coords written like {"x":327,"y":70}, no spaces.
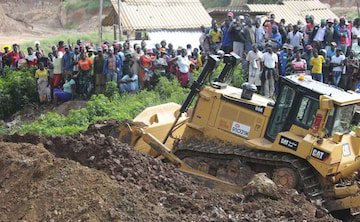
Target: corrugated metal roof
{"x":159,"y":15}
{"x":295,"y":10}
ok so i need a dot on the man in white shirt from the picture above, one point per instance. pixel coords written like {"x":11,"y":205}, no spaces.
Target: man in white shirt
{"x":355,"y":31}
{"x":337,"y":62}
{"x":320,"y":33}
{"x":254,"y":59}
{"x":295,"y":38}
{"x":270,"y":63}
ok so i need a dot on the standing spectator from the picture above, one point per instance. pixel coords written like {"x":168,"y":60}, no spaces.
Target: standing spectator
{"x":341,"y":34}
{"x":283,"y":59}
{"x":100,"y":78}
{"x":67,"y":63}
{"x":352,"y":70}
{"x":57,"y":70}
{"x":143,"y":45}
{"x":146,"y":66}
{"x":204,"y":41}
{"x":14,"y":56}
{"x":307,"y":55}
{"x":259,"y":34}
{"x":298,"y":64}
{"x":160,"y":63}
{"x":227,"y":43}
{"x":38,"y":48}
{"x":329,"y":33}
{"x":42,"y":82}
{"x":136,"y":66}
{"x":331,"y":51}
{"x":316,"y":63}
{"x":268,"y":24}
{"x":337,"y":62}
{"x":183,"y":64}
{"x":318,"y":35}
{"x":295,"y":38}
{"x":21,"y":62}
{"x":215,"y":36}
{"x":111,"y":65}
{"x":85,"y":67}
{"x":31,"y":58}
{"x":276,"y":36}
{"x":254,"y":59}
{"x":249,"y":34}
{"x":61,"y":47}
{"x":270,"y":63}
{"x":326,"y":67}
{"x":308,"y":29}
{"x":356,"y":48}
{"x":238,"y":37}
{"x":355,"y":31}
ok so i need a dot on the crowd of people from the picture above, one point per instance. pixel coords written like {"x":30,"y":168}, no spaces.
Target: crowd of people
{"x":80,"y":70}
{"x":328,"y":52}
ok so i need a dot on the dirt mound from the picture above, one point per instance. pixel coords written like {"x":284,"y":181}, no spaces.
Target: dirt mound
{"x":36,"y":186}
{"x":152,"y":190}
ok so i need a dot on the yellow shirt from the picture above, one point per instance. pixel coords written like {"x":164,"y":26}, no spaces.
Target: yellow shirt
{"x":215,"y":36}
{"x":316,"y":64}
{"x":41,"y":74}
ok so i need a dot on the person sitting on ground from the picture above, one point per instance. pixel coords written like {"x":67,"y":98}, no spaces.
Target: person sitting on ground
{"x":129,"y":82}
{"x":42,"y":82}
{"x":68,"y":91}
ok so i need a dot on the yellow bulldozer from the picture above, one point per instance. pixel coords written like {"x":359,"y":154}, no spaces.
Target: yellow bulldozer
{"x":304,"y":139}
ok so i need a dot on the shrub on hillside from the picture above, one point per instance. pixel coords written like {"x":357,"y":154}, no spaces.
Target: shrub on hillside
{"x":17,"y":89}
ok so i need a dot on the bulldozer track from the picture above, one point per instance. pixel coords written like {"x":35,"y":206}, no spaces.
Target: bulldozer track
{"x":308,"y":180}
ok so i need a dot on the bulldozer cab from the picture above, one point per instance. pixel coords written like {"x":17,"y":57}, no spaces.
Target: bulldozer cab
{"x":298,"y":104}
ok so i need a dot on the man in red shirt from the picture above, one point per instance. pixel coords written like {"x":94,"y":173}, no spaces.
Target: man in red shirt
{"x":14,"y":56}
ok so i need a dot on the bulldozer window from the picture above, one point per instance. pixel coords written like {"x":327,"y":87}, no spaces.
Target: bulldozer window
{"x":281,"y":111}
{"x":339,"y":120}
{"x":307,"y":111}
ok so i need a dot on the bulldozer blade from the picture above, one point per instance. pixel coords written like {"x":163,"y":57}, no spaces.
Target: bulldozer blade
{"x":204,"y":178}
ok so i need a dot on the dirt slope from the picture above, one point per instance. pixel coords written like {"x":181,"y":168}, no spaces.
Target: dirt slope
{"x":136,"y":188}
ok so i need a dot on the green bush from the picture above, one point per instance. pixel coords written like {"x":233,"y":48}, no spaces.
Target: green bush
{"x":100,"y":107}
{"x":17,"y":89}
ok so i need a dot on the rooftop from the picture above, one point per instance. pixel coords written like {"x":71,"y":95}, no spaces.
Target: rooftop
{"x":290,"y":10}
{"x":158,"y":15}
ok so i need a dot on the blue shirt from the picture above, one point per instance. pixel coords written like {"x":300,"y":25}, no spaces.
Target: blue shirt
{"x":227,"y":38}
{"x":330,"y":53}
{"x":283,"y":61}
{"x":277,"y":37}
{"x":68,"y":61}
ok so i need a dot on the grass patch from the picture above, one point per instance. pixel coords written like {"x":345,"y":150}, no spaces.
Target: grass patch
{"x":89,"y":5}
{"x":69,"y":38}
